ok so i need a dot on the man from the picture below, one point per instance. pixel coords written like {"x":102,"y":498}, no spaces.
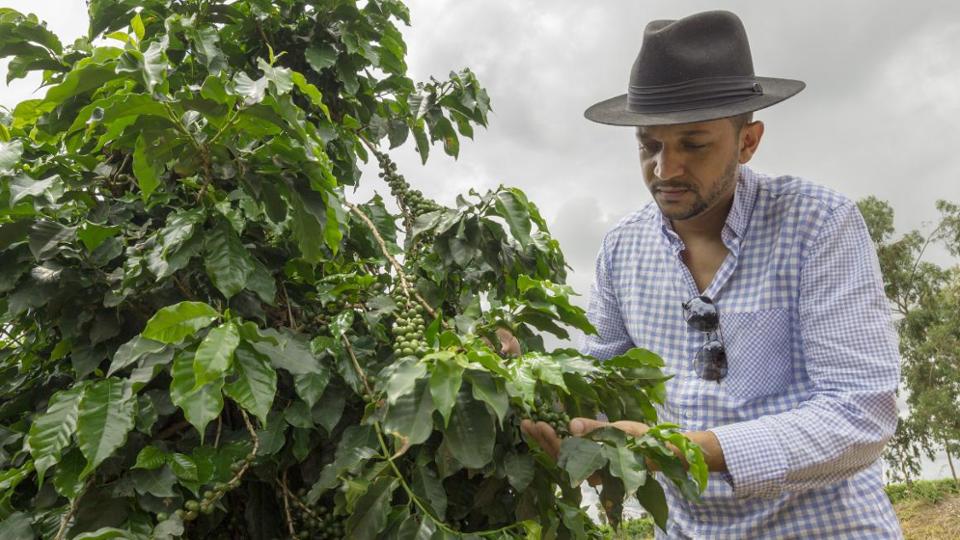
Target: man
{"x":763,"y":296}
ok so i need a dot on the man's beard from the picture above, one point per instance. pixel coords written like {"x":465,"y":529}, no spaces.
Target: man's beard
{"x":700,"y":202}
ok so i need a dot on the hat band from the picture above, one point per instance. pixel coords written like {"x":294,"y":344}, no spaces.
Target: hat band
{"x":693,"y":94}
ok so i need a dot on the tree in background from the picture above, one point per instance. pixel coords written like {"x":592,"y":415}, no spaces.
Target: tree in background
{"x":201,"y":335}
{"x":927,"y":299}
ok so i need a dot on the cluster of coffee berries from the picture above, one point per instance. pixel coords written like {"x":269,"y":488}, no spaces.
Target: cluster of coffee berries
{"x":319,"y":523}
{"x":411,"y":201}
{"x":409,"y":326}
{"x":193,"y":508}
{"x":552,"y":414}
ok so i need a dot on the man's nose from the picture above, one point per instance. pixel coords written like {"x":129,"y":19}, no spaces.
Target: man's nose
{"x":668,"y":164}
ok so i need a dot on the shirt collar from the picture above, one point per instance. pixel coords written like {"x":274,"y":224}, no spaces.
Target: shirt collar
{"x":735,"y":227}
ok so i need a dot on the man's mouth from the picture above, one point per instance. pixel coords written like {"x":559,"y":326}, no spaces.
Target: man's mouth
{"x":670,"y":188}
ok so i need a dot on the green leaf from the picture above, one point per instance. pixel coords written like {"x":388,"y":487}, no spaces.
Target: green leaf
{"x":626,"y":465}
{"x":635,"y":358}
{"x":252,"y":91}
{"x":215,"y":353}
{"x":200,"y":405}
{"x":151,"y":458}
{"x":514,"y":209}
{"x":137,"y":25}
{"x":310,"y":91}
{"x":103,"y":533}
{"x":297,"y":414}
{"x":183,"y":467}
{"x":428,"y":487}
{"x":92,"y":234}
{"x":471,"y":433}
{"x":332,"y":234}
{"x":146,"y":172}
{"x":228,"y":263}
{"x":87,"y":75}
{"x":51,"y":432}
{"x":357,"y":445}
{"x":328,"y":411}
{"x":214,"y":89}
{"x":310,"y":386}
{"x":255,"y":385}
{"x":651,"y":497}
{"x":10,"y":153}
{"x":205,"y":42}
{"x":370,"y":515}
{"x":46,"y":237}
{"x":410,"y":417}
{"x":490,"y":391}
{"x":174,"y":323}
{"x":520,"y":470}
{"x":280,"y":78}
{"x":132,"y":351}
{"x":151,"y":65}
{"x":306,"y":228}
{"x":16,"y":527}
{"x":580,"y":458}
{"x":24,"y":186}
{"x":320,"y":57}
{"x":445,"y":380}
{"x":67,"y":480}
{"x":400,"y":377}
{"x":106,"y":415}
{"x":291,"y":353}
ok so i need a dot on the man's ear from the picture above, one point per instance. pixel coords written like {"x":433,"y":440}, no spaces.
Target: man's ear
{"x":750,"y":136}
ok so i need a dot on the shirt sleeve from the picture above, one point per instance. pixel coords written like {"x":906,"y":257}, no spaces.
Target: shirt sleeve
{"x":853,"y":364}
{"x":603,"y":312}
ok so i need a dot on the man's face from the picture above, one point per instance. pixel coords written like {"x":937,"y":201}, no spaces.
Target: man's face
{"x":689,"y":168}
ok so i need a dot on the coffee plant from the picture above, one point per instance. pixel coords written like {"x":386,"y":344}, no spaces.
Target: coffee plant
{"x":203,"y":336}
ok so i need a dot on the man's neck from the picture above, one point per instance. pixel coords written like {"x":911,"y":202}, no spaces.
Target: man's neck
{"x":706,"y":226}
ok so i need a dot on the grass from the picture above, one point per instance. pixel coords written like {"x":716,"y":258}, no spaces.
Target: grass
{"x":927,"y":509}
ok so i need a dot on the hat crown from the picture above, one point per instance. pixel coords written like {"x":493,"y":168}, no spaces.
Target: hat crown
{"x":705,"y":45}
{"x":693,"y":69}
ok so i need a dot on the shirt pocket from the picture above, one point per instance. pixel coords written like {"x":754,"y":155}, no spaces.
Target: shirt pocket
{"x":759,"y":356}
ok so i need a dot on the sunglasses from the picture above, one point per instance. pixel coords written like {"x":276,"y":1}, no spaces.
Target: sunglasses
{"x":702,"y":314}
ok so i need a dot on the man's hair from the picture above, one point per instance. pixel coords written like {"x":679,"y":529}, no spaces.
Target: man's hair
{"x":741,"y":120}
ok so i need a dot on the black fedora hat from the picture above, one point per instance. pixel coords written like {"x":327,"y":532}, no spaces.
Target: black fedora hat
{"x":689,"y":70}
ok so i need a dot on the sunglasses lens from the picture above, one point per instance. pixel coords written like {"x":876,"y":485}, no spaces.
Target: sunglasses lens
{"x":711,"y":363}
{"x":701,"y":314}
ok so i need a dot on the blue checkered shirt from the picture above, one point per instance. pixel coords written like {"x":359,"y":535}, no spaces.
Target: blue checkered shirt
{"x":809,"y":399}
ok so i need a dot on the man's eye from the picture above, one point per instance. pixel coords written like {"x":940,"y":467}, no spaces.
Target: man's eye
{"x":692,"y":146}
{"x":649,"y":147}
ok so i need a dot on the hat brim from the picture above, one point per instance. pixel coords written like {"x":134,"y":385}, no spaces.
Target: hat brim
{"x":614,"y":111}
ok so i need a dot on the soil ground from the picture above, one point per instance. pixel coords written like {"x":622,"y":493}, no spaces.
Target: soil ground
{"x":925,"y":520}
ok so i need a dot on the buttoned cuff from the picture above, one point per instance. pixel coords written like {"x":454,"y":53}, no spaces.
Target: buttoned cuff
{"x":756,"y":462}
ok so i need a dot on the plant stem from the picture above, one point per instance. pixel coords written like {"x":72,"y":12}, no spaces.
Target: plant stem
{"x":296,"y":500}
{"x":409,"y":291}
{"x":356,"y":366}
{"x":286,"y":300}
{"x":65,"y":520}
{"x":396,"y":471}
{"x":419,"y":504}
{"x":286,"y":505}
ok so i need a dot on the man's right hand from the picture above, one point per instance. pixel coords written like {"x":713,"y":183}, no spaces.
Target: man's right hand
{"x":549,"y":441}
{"x":509,"y":344}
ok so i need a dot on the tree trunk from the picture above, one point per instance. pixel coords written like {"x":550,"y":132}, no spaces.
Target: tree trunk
{"x":953,"y":471}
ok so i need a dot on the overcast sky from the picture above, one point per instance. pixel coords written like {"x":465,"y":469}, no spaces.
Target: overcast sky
{"x":878,"y":116}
